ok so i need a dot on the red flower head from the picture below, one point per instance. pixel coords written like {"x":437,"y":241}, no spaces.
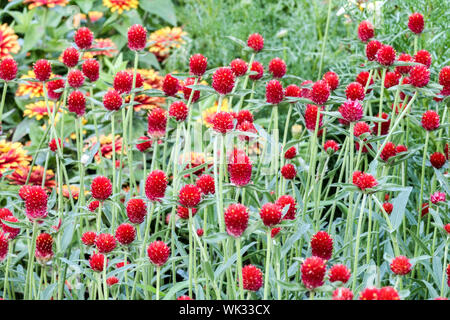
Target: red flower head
{"x":274,"y":92}
{"x":8,"y":69}
{"x":423,"y":57}
{"x":44,"y":247}
{"x":425,"y":208}
{"x":388,"y":207}
{"x":125,"y":234}
{"x":190,"y":196}
{"x":313,"y":272}
{"x":178,"y":110}
{"x":88,"y":238}
{"x":75,"y":78}
{"x":23,"y":192}
{"x":437,"y":160}
{"x":416,"y":23}
{"x":270,"y":214}
{"x":430,"y":120}
{"x":255,"y":41}
{"x":83,"y":38}
{"x":101,"y":188}
{"x":290,"y":153}
{"x":401,"y":265}
{"x":384,"y":125}
{"x":144,"y":144}
{"x":339,"y":272}
{"x":355,"y":91}
{"x":388,"y":293}
{"x":236,"y":219}
{"x":386,"y":55}
{"x":93,"y":205}
{"x":42,"y":69}
{"x":366,"y":30}
{"x":330,"y":146}
{"x":293,"y":90}
{"x":404,"y":57}
{"x":158,"y":253}
{"x":123,"y":82}
{"x":239,"y":67}
{"x":305,"y":92}
{"x":112,"y":281}
{"x":137,"y":37}
{"x":311,"y":117}
{"x":91,"y":69}
{"x":342,"y":294}
{"x":76,"y":103}
{"x":274,"y":232}
{"x":223,"y":80}
{"x":362,"y":78}
{"x":419,"y":76}
{"x":187,"y":91}
{"x":258,"y":68}
{"x":13,"y":232}
{"x":401,"y":148}
{"x":289,"y":201}
{"x":322,"y":245}
{"x":332,"y":79}
{"x":444,"y":76}
{"x":351,"y":111}
{"x":52,"y":144}
{"x":70,"y":57}
{"x":223,"y":122}
{"x":437,"y":197}
{"x":370,"y":293}
{"x":105,"y":242}
{"x":54,"y":85}
{"x":252,"y":278}
{"x":277,"y":67}
{"x":4,"y":244}
{"x":155,"y":185}
{"x":157,"y":122}
{"x":320,"y":92}
{"x":246,"y":127}
{"x":288,"y":171}
{"x":405,"y":80}
{"x":388,"y":151}
{"x":391,"y":79}
{"x":96,"y":261}
{"x":198,"y":64}
{"x":112,"y":100}
{"x":372,"y":48}
{"x":35,"y":202}
{"x":364,"y":180}
{"x":136,"y":210}
{"x":183,"y":212}
{"x":206,"y":184}
{"x":239,"y":167}
{"x":200,"y":232}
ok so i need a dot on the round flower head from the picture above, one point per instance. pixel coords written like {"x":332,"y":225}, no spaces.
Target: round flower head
{"x":189,"y":196}
{"x":258,"y":68}
{"x":11,"y":231}
{"x":313,"y":272}
{"x":287,"y":201}
{"x":88,"y":238}
{"x":183,"y":212}
{"x":136,"y":210}
{"x":8,"y":69}
{"x":366,"y":30}
{"x":206,"y":184}
{"x":187,"y":91}
{"x":355,"y":91}
{"x":223,"y":122}
{"x":155,"y":185}
{"x":290,"y":153}
{"x":4,"y":244}
{"x":311,"y":117}
{"x":293,"y":90}
{"x":388,"y":207}
{"x":370,"y":293}
{"x":52,"y":86}
{"x":419,"y":76}
{"x":44,"y":247}
{"x":157,"y":122}
{"x":437,"y":197}
{"x":112,"y":100}
{"x":386,"y":55}
{"x":332,"y":79}
{"x":363,"y":78}
{"x":112,"y":281}
{"x":339,"y":272}
{"x":105,"y":242}
{"x":244,"y":115}
{"x":101,"y":188}
{"x":137,"y":37}
{"x":364,"y":180}
{"x":444,"y":76}
{"x":91,"y":69}
{"x":236,"y":219}
{"x":255,"y":41}
{"x":200,"y":232}
{"x":388,"y":151}
{"x":416,"y":23}
{"x":391,"y":79}
{"x":351,"y":111}
{"x":277,"y":67}
{"x":239,"y":67}
{"x":288,"y":171}
{"x":246,"y":127}
{"x":430,"y":120}
{"x":170,"y":85}
{"x":388,"y":293}
{"x":93,"y":205}
{"x":331,"y":146}
{"x":35,"y":202}
{"x":404,"y":57}
{"x":198,"y":64}
{"x":270,"y":214}
{"x":400,"y":265}
{"x":97,"y":261}
{"x":178,"y":110}
{"x":342,"y":294}
{"x":158,"y":253}
{"x":75,"y":78}
{"x":70,"y":57}
{"x":322,"y":245}
{"x":437,"y":160}
{"x":76,"y":103}
{"x":125,"y":234}
{"x":42,"y":70}
{"x":252,"y":278}
{"x":83,"y":38}
{"x":401,"y":148}
{"x":274,"y":92}
{"x":223,"y":80}
{"x":320,"y":92}
{"x":239,"y":167}
{"x":54,"y":146}
{"x":274,"y":232}
{"x":372,"y":48}
{"x":123,"y":82}
{"x":423,"y":57}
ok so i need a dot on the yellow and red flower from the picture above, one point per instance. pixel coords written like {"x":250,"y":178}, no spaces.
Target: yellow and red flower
{"x":8,"y":42}
{"x":33,"y":89}
{"x":75,"y":190}
{"x":38,"y":109}
{"x":162,"y":41}
{"x":120,"y":5}
{"x":46,"y":3}
{"x":19,"y":176}
{"x":105,"y":146}
{"x":12,"y":156}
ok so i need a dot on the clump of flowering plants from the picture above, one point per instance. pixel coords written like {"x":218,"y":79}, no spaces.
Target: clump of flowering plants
{"x":237,"y":180}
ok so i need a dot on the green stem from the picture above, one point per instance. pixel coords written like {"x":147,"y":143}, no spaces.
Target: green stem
{"x":266,"y":275}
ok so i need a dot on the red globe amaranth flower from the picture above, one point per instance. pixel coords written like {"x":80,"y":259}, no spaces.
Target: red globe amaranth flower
{"x":125,"y":234}
{"x":75,"y":78}
{"x":289,"y":201}
{"x":137,"y":37}
{"x":88,"y":238}
{"x":401,"y":148}
{"x":351,"y":111}
{"x":388,"y":293}
{"x":112,"y":281}
{"x":372,"y":48}
{"x":311,"y":117}
{"x":332,"y":79}
{"x":8,"y":69}
{"x":430,"y":120}
{"x":355,"y":91}
{"x":11,"y":231}
{"x":183,"y":212}
{"x":76,"y":103}
{"x":112,"y":100}
{"x":416,"y":23}
{"x":258,"y":68}
{"x":223,"y":80}
{"x":206,"y":184}
{"x":322,"y":245}
{"x":444,"y":76}
{"x":200,"y":232}
{"x":277,"y":67}
{"x":330,"y":146}
{"x":54,"y":85}
{"x":35,"y":202}
{"x":93,"y":205}
{"x":157,"y":122}
{"x":223,"y":122}
{"x":404,"y":57}
{"x":136,"y":210}
{"x":419,"y":76}
{"x":370,"y":293}
{"x":288,"y":171}
{"x":437,"y":197}
{"x":363,"y":78}
{"x":123,"y":82}
{"x":97,"y":261}
{"x":244,"y":115}
{"x":386,"y":55}
{"x":170,"y":85}
{"x":198,"y":64}
{"x":178,"y":110}
{"x":391,"y":79}
{"x":239,"y":167}
{"x":236,"y":219}
{"x":290,"y":153}
{"x":274,"y":232}
{"x":23,"y":194}
{"x":83,"y":38}
{"x":405,"y":81}
{"x":52,"y":144}
{"x":255,"y":41}
{"x":4,"y":245}
{"x":320,"y":92}
{"x":342,"y":294}
{"x":400,"y":265}
{"x":437,"y":160}
{"x":158,"y":253}
{"x":364,"y":180}
{"x":274,"y":92}
{"x":305,"y":90}
{"x":366,"y":30}
{"x":187,"y":91}
{"x":101,"y":188}
{"x":190,"y":196}
{"x":44,"y":247}
{"x":42,"y":70}
{"x":388,"y":207}
{"x":384,"y":125}
{"x":313,"y":272}
{"x":388,"y":151}
{"x":239,"y":67}
{"x":270,"y":214}
{"x":339,"y":272}
{"x":145,"y":144}
{"x":105,"y":242}
{"x":70,"y":57}
{"x":252,"y":278}
{"x":425,"y":209}
{"x":91,"y":69}
{"x":423,"y":57}
{"x":246,"y":127}
{"x":155,"y":185}
{"x":293,"y":91}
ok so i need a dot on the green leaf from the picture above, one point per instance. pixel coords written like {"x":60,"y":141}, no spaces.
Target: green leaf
{"x":32,"y":36}
{"x":161,"y":8}
{"x":399,"y":204}
{"x":85,"y":5}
